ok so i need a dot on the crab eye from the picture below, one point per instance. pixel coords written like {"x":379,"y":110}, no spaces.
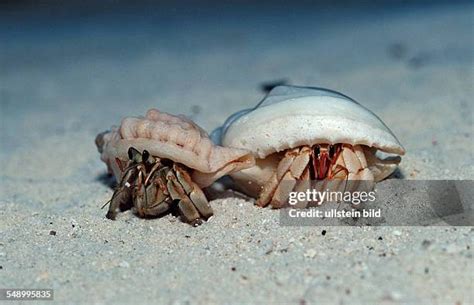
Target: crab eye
{"x":133,"y":154}
{"x":332,"y":150}
{"x":317,"y":150}
{"x":145,"y":155}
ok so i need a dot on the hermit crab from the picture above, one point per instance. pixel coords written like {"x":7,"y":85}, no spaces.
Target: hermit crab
{"x":162,"y":162}
{"x":309,"y":137}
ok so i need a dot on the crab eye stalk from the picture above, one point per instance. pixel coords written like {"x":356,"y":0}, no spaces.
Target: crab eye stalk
{"x":134,"y":154}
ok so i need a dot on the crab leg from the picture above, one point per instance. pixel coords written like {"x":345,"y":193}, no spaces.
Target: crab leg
{"x":294,"y":173}
{"x":194,"y":192}
{"x":353,"y":168}
{"x":122,"y":195}
{"x":190,"y":213}
{"x":302,"y":185}
{"x":380,"y":168}
{"x":339,"y":167}
{"x":267,"y":192}
{"x":290,"y":169}
{"x":140,"y":197}
{"x":159,"y":209}
{"x":157,"y":196}
{"x":269,"y":188}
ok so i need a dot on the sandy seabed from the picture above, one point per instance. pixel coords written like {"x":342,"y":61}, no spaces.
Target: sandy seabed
{"x":63,"y":81}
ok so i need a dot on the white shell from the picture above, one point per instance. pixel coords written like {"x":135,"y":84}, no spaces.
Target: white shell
{"x":292,"y":116}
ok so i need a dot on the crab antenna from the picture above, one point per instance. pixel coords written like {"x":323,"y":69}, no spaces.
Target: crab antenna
{"x":117,"y":191}
{"x":110,"y":200}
